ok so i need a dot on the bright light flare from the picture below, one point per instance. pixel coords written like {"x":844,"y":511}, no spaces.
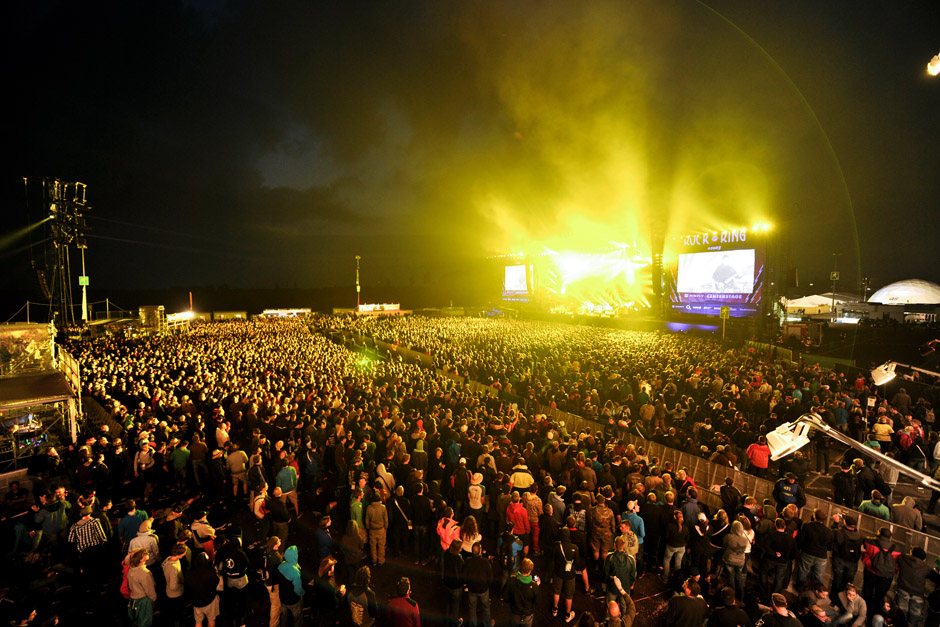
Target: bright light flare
{"x":179,"y":317}
{"x":933,"y":68}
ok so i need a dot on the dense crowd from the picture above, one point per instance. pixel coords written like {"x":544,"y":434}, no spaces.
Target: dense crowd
{"x":235,"y":437}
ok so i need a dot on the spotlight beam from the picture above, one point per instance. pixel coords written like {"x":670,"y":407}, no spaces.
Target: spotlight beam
{"x":9,"y":238}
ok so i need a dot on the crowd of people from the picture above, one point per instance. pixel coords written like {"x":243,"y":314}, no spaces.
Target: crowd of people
{"x":258,"y":473}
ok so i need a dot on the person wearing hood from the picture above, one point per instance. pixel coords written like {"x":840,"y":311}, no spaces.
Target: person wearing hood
{"x":881,"y":565}
{"x":907,"y":515}
{"x":291,"y":582}
{"x":419,"y":457}
{"x":147,"y":539}
{"x":521,"y":478}
{"x":522,"y":594}
{"x":386,"y":478}
{"x":233,"y":566}
{"x":201,"y":583}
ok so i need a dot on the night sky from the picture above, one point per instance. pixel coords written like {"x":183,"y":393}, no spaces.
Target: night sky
{"x":267,"y":143}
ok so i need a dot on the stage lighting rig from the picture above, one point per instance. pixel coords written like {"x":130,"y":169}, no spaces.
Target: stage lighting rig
{"x":885,"y":373}
{"x":789,"y":437}
{"x":66,"y":205}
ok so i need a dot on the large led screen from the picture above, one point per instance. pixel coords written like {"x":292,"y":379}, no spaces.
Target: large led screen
{"x":514,"y":280}
{"x":719,"y":272}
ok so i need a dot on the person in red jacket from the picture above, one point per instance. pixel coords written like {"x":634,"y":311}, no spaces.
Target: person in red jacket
{"x":881,"y":564}
{"x":516,"y":512}
{"x":758,"y":455}
{"x":403,"y":610}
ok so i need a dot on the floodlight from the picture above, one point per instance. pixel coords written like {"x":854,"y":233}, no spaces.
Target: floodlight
{"x":790,"y":437}
{"x":787,"y":439}
{"x":884,"y":373}
{"x":933,"y":68}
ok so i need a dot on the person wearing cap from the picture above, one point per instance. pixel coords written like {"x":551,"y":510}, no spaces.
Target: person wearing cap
{"x":169,"y":528}
{"x":788,"y":492}
{"x":328,"y":597}
{"x":475,"y":495}
{"x":88,"y":537}
{"x":779,"y":615}
{"x":638,"y":525}
{"x":875,"y":506}
{"x":881,"y":565}
{"x":844,"y":485}
{"x":846,"y":552}
{"x":910,"y":594}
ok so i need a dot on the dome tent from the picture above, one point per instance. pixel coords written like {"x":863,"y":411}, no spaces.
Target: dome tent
{"x":909,"y":292}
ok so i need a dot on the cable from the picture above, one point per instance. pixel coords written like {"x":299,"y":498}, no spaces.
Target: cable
{"x":17,"y":312}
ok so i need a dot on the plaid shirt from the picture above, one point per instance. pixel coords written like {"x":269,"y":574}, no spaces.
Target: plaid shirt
{"x":86,"y":534}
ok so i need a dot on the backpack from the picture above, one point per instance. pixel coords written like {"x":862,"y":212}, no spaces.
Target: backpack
{"x":851,"y":550}
{"x":506,"y":558}
{"x":882,"y":563}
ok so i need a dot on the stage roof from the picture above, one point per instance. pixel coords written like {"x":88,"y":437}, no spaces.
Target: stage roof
{"x":34,"y":389}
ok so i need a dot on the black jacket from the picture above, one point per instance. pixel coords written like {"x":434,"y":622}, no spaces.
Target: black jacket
{"x":521,"y":596}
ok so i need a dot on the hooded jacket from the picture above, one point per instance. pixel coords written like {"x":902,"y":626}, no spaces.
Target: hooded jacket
{"x":173,"y":574}
{"x":906,"y":516}
{"x":290,"y":570}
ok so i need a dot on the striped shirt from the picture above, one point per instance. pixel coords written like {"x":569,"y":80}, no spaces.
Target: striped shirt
{"x":87,"y":533}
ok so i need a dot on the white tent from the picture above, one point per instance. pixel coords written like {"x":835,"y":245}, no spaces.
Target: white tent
{"x":817,"y":303}
{"x":910,"y":292}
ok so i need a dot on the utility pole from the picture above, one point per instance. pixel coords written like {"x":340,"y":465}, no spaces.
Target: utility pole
{"x":358,"y":288}
{"x":834,"y":277}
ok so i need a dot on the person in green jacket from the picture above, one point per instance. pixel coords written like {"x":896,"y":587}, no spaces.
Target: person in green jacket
{"x":875,"y":507}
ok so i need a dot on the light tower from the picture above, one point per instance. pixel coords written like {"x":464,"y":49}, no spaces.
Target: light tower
{"x":65,"y":202}
{"x":358,"y":288}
